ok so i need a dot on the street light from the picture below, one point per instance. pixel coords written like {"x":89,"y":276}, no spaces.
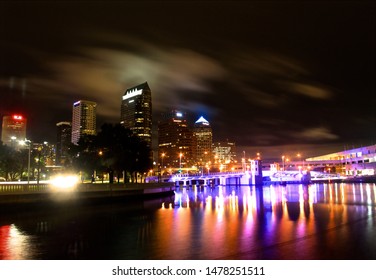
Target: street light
{"x":38,"y":174}
{"x":283,"y":163}
{"x":28,"y":143}
{"x":180,"y":155}
{"x":299,"y":155}
{"x":163,"y":155}
{"x":287,"y":163}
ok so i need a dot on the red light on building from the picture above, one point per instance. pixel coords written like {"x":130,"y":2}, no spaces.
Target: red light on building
{"x":17,"y":117}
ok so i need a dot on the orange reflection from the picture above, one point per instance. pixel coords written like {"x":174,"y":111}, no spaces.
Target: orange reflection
{"x":231,"y":221}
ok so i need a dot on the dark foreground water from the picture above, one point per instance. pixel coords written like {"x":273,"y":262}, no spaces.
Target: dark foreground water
{"x":319,"y":221}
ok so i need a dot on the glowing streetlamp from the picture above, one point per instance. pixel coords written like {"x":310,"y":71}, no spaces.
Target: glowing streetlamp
{"x":28,"y":143}
{"x":38,"y":161}
{"x":299,"y":160}
{"x":180,"y":155}
{"x":243,"y":162}
{"x":162,"y":156}
{"x":283,"y":163}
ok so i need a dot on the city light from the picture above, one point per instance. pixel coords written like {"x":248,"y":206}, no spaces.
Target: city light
{"x":28,"y":144}
{"x":180,"y":155}
{"x":132,"y":93}
{"x":64,"y":182}
{"x":17,"y":117}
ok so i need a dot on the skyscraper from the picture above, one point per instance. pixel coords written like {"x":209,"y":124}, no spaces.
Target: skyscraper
{"x":63,"y":139}
{"x":174,"y":141}
{"x":203,"y":138}
{"x":13,"y":129}
{"x":83,"y":119}
{"x":136,"y":112}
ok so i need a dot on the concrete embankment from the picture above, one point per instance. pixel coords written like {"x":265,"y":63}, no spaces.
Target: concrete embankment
{"x":18,"y":194}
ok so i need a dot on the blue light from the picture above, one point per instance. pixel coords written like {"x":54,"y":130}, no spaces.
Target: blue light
{"x":202,"y":120}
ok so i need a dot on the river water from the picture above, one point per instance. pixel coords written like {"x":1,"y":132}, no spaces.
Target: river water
{"x":318,"y":221}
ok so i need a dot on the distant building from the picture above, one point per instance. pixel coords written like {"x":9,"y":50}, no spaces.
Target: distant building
{"x":202,"y":142}
{"x":63,"y":140}
{"x":224,"y":154}
{"x":13,"y":129}
{"x":352,"y":162}
{"x":174,"y":141}
{"x":45,"y":154}
{"x":366,"y":153}
{"x":83,"y":119}
{"x":136,"y":112}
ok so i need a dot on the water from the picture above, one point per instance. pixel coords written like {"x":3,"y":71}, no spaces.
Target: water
{"x":319,"y":221}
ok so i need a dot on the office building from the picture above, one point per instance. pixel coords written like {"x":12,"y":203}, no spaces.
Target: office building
{"x":136,"y":112}
{"x":224,"y":154}
{"x":202,"y":145}
{"x":174,"y":141}
{"x":13,"y":130}
{"x":83,"y":119}
{"x":63,"y":140}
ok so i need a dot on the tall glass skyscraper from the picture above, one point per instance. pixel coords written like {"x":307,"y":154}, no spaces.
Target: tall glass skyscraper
{"x":83,"y":119}
{"x":136,"y":112}
{"x":203,"y":138}
{"x":63,"y":139}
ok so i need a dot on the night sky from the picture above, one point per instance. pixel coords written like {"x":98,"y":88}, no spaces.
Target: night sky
{"x":275,"y":77}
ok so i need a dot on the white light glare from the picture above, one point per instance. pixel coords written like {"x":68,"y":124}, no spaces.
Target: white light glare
{"x":64,"y":182}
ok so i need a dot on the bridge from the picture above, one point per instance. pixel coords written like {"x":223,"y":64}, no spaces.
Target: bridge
{"x":216,"y":178}
{"x":248,"y":178}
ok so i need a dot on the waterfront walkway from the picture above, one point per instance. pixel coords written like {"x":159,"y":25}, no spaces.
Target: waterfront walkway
{"x":33,"y":192}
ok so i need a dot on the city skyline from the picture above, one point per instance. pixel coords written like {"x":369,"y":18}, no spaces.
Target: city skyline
{"x":274,"y":77}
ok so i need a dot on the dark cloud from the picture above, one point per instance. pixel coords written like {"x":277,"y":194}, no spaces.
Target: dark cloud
{"x":264,"y":74}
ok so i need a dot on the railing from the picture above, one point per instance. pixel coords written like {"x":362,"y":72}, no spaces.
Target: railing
{"x":18,"y":188}
{"x":22,"y":188}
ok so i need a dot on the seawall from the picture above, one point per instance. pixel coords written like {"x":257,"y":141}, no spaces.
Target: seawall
{"x":11,"y":194}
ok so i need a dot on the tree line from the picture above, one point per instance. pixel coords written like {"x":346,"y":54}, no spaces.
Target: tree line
{"x":115,"y":151}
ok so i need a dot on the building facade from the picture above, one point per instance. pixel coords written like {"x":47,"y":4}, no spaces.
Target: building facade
{"x":83,"y":119}
{"x":13,"y":130}
{"x":63,"y":140}
{"x":351,"y":162}
{"x":136,"y":112}
{"x":174,"y":141}
{"x":202,"y":143}
{"x":224,"y":154}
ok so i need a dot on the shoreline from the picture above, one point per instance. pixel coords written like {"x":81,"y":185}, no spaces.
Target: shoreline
{"x":23,"y":194}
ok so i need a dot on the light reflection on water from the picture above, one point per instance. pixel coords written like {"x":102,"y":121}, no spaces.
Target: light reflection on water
{"x":14,"y":244}
{"x":319,"y":221}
